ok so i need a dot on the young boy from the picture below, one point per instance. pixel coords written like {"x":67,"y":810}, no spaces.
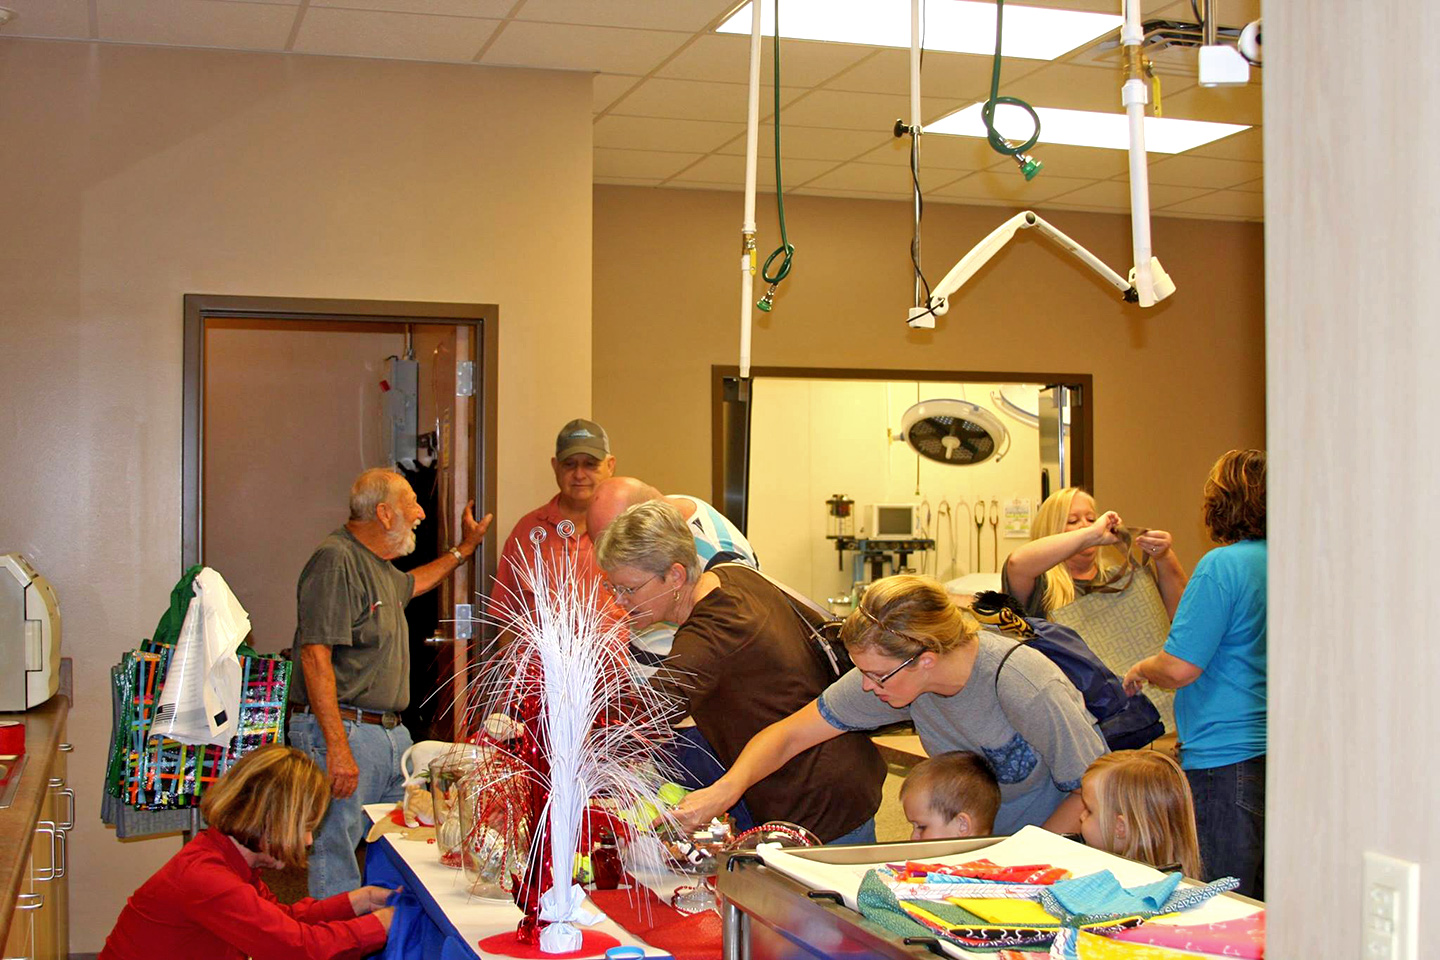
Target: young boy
{"x":952,"y":795}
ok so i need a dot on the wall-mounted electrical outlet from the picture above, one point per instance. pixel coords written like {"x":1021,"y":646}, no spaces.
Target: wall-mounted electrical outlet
{"x":1390,"y":904}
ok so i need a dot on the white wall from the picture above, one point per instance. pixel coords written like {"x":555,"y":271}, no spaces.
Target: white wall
{"x":811,"y":439}
{"x":1352,"y":209}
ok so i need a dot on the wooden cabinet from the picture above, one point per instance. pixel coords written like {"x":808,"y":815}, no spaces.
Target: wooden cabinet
{"x":34,"y":843}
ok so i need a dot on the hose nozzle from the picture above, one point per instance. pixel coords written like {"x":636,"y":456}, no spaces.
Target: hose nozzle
{"x":1028,"y":165}
{"x":766,"y":302}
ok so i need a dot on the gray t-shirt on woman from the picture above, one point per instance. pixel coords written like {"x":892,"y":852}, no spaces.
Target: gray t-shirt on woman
{"x":1037,"y":735}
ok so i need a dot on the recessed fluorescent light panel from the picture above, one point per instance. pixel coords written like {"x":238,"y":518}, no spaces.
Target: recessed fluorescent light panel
{"x":1086,"y":128}
{"x":959,"y":26}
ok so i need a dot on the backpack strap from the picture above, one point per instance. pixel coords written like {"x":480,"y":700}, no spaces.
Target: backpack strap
{"x":1002,"y":667}
{"x":801,"y":603}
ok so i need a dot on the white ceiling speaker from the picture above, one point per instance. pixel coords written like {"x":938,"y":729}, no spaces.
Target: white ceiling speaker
{"x":954,"y":432}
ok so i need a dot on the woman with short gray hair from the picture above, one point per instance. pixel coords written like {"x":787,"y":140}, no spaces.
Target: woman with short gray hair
{"x":741,"y":660}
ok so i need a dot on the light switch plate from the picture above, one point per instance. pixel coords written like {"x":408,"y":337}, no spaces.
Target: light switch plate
{"x":1390,"y":908}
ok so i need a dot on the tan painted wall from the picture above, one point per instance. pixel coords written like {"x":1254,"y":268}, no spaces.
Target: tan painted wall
{"x":130,"y":176}
{"x":1352,"y":346}
{"x":1175,"y":386}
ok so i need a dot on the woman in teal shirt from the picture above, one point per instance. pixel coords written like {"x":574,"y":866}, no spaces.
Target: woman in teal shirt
{"x":1215,"y":658}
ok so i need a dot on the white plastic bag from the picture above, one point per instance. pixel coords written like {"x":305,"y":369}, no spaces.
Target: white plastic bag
{"x":200,"y":702}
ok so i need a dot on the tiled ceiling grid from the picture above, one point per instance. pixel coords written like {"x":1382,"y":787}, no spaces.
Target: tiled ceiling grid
{"x":670,"y":94}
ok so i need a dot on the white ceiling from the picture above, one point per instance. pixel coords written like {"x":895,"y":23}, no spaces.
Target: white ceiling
{"x":670,"y":93}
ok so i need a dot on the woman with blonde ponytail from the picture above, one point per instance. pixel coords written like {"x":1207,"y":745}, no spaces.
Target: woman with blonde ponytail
{"x":919,"y":658}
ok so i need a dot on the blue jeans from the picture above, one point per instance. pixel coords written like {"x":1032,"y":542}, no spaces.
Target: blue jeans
{"x":1230,"y":819}
{"x":699,"y":768}
{"x":865,"y":833}
{"x":377,"y":751}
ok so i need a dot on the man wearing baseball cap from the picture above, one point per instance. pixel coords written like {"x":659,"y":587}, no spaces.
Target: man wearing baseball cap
{"x":582,"y":461}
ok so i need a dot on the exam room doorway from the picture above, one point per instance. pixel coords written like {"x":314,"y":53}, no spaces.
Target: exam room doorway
{"x":806,"y":436}
{"x":286,"y":402}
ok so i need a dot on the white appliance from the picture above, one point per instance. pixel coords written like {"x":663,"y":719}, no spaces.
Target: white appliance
{"x":892,"y":521}
{"x":29,"y":636}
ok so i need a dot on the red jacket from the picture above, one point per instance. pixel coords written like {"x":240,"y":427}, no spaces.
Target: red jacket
{"x":208,"y":902}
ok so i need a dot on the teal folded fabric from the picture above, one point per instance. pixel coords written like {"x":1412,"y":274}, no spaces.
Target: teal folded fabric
{"x":1099,"y":894}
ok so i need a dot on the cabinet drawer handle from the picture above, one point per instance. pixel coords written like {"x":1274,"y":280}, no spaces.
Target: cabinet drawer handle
{"x":48,"y":827}
{"x":69,"y":795}
{"x":29,"y":901}
{"x":65,"y":747}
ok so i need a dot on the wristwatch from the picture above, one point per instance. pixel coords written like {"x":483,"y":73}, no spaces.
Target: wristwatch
{"x":455,"y":552}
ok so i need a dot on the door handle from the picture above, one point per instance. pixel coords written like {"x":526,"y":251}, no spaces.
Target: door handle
{"x":68,"y":794}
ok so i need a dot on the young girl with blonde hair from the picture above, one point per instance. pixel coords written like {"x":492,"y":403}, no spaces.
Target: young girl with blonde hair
{"x":1138,"y":805}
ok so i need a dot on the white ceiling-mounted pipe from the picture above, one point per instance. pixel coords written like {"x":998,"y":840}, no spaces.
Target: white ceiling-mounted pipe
{"x":747,"y":229}
{"x":1135,"y":94}
{"x":915,"y":131}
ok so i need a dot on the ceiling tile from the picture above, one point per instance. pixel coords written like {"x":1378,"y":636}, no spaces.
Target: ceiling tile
{"x":1233,"y":13}
{"x":809,"y":143}
{"x":196,"y":23}
{"x":1062,"y":160}
{"x":696,"y":99}
{"x":687,"y":15}
{"x":641,"y":163}
{"x":1245,"y":145}
{"x":485,"y":9}
{"x":1116,"y":193}
{"x":375,"y":33}
{"x":730,"y":170}
{"x":803,"y":63}
{"x":649,"y":133}
{"x":608,"y":87}
{"x":937,"y":152}
{"x":567,"y":47}
{"x":876,"y":112}
{"x":1233,"y":203}
{"x":1225,"y":104}
{"x":943,"y":75}
{"x":874,"y":177}
{"x":1009,"y":185}
{"x":66,"y":19}
{"x":1254,"y":186}
{"x":1203,"y":171}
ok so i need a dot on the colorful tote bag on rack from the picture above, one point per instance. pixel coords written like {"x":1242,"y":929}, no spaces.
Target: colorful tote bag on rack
{"x":153,"y":773}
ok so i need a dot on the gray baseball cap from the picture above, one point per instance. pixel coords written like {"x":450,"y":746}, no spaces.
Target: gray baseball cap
{"x":582,"y":436}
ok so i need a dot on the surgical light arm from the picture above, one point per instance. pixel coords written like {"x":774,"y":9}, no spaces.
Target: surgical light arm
{"x":980,"y":254}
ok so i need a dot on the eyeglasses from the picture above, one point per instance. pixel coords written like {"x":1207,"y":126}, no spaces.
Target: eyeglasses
{"x":625,"y":593}
{"x":880,"y":681}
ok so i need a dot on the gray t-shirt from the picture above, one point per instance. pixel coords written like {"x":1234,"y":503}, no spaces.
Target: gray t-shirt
{"x":1037,"y":736}
{"x":354,"y":603}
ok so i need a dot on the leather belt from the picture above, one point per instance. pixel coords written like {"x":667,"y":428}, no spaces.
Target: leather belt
{"x":385,"y":718}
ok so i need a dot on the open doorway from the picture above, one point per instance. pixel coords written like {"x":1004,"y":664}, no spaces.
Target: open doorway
{"x":286,"y":402}
{"x":826,"y":461}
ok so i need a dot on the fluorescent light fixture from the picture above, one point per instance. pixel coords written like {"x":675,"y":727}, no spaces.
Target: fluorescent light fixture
{"x":958,"y":26}
{"x":1085,"y":128}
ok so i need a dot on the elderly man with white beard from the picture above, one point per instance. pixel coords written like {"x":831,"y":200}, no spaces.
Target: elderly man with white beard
{"x":352,"y":658}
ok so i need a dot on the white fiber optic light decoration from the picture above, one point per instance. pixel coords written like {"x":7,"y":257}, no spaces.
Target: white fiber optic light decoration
{"x":958,"y":26}
{"x":1086,"y":128}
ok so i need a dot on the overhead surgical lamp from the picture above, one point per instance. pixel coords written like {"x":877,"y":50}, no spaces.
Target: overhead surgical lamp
{"x":954,"y":432}
{"x":923,"y":317}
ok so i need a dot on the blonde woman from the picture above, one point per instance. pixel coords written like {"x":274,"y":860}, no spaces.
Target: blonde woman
{"x":1138,"y":805}
{"x":918,"y":658}
{"x":1067,"y":554}
{"x":209,"y":900}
